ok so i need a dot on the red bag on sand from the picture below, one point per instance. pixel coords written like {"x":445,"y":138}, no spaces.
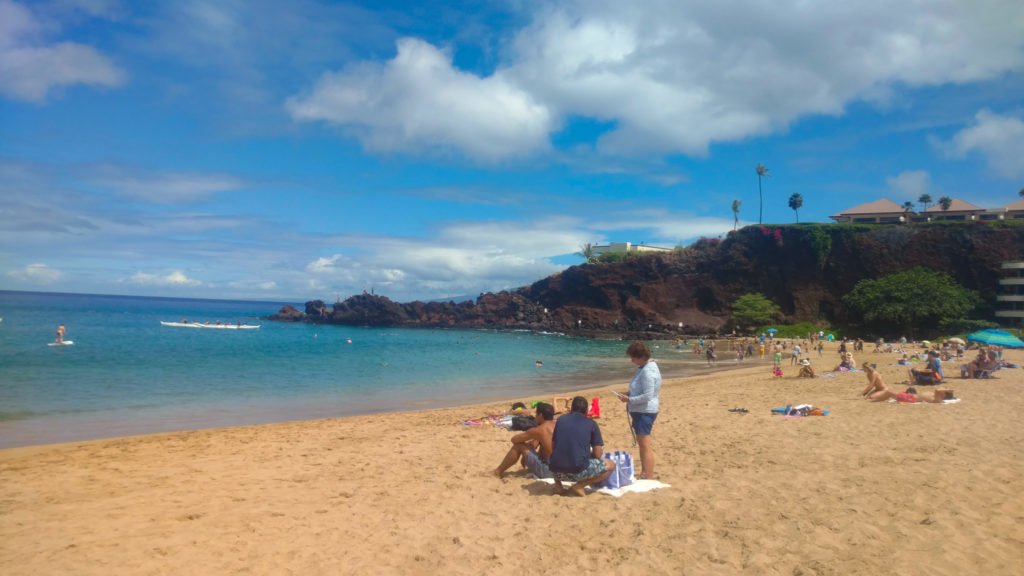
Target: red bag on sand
{"x":595,"y":408}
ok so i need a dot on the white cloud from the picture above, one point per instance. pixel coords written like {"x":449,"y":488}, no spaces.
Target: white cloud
{"x":999,"y":138}
{"x":36,"y":274}
{"x":30,"y":66}
{"x":663,"y":228}
{"x":174,"y":278}
{"x":910,"y":184}
{"x":668,"y":77}
{"x":164,"y":187}
{"x":675,"y":77}
{"x":418,"y":100}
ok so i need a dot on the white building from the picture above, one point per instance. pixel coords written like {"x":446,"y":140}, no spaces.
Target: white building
{"x":613,"y":247}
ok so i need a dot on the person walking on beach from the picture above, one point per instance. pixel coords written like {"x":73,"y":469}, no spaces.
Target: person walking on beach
{"x":642,"y":400}
{"x":533,"y":447}
{"x":60,"y":334}
{"x":576,"y":454}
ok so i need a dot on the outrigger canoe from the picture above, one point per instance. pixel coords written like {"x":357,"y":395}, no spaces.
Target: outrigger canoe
{"x":214,"y":326}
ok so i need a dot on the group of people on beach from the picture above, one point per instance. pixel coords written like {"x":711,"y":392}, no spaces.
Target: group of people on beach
{"x":571,"y":449}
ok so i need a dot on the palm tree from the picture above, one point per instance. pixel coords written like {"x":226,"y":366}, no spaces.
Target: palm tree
{"x":945,"y":202}
{"x":795,"y":202}
{"x":762,"y":171}
{"x":1021,"y":193}
{"x":908,"y":206}
{"x":587,"y":252}
{"x":736,"y":213}
{"x":925,"y":200}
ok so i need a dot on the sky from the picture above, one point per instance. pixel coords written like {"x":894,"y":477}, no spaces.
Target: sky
{"x":424,"y":150}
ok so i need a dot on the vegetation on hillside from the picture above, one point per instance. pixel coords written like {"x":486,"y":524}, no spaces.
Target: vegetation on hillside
{"x":913,"y":302}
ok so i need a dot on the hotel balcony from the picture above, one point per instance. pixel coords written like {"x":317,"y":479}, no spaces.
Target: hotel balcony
{"x":1010,"y":313}
{"x":1012,"y":281}
{"x":1010,"y":298}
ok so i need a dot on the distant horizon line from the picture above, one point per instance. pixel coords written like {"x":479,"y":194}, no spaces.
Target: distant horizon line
{"x":202,"y":299}
{"x":140,"y":296}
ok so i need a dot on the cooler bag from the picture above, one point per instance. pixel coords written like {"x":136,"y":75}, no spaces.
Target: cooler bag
{"x":623,"y":474}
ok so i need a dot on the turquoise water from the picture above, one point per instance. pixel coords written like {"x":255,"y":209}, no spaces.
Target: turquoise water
{"x":127,"y":374}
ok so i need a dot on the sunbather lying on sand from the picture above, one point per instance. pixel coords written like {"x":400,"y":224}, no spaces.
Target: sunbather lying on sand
{"x":876,"y":390}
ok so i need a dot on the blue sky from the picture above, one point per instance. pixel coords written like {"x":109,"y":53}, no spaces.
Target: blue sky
{"x":305,"y":149}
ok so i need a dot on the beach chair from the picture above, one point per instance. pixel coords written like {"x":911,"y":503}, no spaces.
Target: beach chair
{"x":987,"y":373}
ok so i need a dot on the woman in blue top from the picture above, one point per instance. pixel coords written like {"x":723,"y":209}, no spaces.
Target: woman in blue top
{"x":642,"y":402}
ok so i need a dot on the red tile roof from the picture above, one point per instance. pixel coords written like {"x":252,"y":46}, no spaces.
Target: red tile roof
{"x":883,"y":206}
{"x":957,"y":206}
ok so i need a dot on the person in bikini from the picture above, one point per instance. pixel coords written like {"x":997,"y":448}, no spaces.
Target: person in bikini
{"x":532,"y":448}
{"x":876,"y":391}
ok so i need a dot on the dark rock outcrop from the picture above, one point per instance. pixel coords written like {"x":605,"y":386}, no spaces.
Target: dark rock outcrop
{"x":806,"y":269}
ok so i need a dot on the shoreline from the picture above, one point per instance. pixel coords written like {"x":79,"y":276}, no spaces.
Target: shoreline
{"x":51,"y":429}
{"x":12,"y":428}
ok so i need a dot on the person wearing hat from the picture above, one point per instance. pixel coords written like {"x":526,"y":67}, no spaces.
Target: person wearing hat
{"x":846,"y":363}
{"x":805,"y":369}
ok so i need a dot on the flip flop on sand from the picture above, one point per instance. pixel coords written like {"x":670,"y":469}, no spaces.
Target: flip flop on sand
{"x":739,"y":410}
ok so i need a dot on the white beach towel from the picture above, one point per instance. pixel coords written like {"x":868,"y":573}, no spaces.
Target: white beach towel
{"x":636,"y":486}
{"x":950,"y":401}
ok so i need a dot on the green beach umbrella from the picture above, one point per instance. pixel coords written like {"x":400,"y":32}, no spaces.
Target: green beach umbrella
{"x":996,"y":338}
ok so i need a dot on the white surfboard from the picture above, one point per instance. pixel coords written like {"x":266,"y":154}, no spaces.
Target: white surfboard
{"x":64,"y":343}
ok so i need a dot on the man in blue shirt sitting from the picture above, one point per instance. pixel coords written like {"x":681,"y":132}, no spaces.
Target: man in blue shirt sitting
{"x":930,"y":374}
{"x":578,"y":449}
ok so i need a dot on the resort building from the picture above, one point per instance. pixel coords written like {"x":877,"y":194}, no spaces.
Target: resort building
{"x":882,"y":211}
{"x":958,"y":211}
{"x":1012,"y":297}
{"x":613,"y":247}
{"x":886,"y":211}
{"x":1014,"y":211}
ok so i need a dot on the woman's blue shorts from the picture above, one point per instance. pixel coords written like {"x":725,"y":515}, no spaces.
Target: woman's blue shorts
{"x":643,"y":422}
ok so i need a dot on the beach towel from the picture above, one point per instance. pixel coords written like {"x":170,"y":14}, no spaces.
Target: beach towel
{"x":800,"y":410}
{"x":948,"y":401}
{"x":637,"y":486}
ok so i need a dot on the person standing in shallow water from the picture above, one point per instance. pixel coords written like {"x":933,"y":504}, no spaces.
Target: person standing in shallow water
{"x":60,"y":333}
{"x":642,"y":403}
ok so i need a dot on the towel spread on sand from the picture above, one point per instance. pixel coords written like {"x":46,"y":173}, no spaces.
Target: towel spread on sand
{"x":636,"y":486}
{"x":949,"y":401}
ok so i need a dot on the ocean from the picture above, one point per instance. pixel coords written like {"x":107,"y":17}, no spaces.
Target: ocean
{"x":127,"y":374}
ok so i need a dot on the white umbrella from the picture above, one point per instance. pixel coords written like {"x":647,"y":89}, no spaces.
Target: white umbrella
{"x":957,"y":341}
{"x":926,"y":342}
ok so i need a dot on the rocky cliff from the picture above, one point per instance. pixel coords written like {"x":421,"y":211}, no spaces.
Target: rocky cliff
{"x":806,"y":269}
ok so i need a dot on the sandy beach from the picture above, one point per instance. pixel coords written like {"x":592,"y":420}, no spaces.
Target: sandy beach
{"x":872,"y":488}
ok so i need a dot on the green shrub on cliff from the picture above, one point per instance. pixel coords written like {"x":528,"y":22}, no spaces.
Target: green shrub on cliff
{"x":754,"y":310}
{"x":911,"y":303}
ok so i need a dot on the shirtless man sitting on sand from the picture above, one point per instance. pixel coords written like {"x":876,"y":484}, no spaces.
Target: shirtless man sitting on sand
{"x":533,"y":447}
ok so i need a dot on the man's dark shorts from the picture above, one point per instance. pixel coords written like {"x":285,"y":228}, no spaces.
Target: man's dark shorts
{"x":643,"y":422}
{"x":595,"y":466}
